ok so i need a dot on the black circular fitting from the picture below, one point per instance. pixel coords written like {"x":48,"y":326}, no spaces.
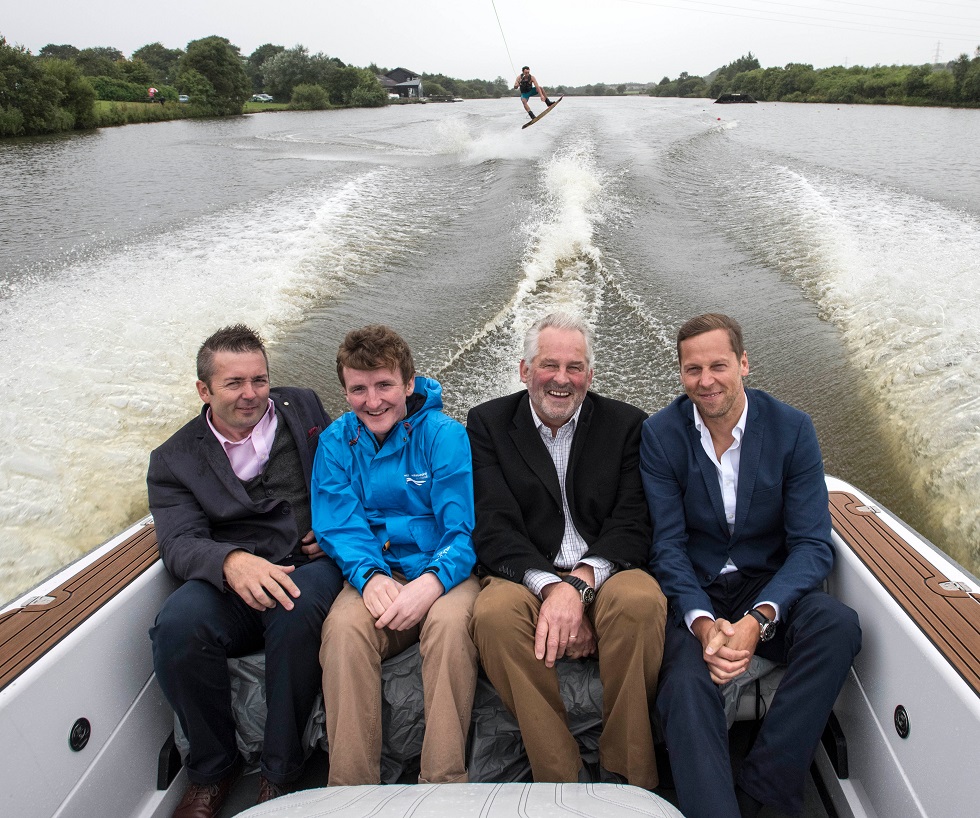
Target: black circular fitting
{"x":81,"y":732}
{"x":902,"y":724}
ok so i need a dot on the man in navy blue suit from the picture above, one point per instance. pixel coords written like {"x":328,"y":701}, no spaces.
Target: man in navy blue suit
{"x":741,"y":546}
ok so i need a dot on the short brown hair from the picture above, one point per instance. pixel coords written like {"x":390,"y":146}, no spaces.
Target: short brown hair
{"x":236,"y":338}
{"x":701,"y":324}
{"x":375,"y":347}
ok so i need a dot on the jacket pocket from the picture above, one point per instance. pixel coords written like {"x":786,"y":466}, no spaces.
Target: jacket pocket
{"x":422,"y":532}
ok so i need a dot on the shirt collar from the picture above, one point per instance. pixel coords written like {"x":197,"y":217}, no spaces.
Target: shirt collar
{"x":542,"y":427}
{"x":739,"y":429}
{"x":270,"y":413}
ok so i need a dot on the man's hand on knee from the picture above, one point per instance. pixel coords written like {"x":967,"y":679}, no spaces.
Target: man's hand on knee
{"x":559,"y":619}
{"x":260,"y":583}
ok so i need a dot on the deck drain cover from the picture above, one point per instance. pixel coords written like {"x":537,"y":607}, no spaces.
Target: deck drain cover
{"x":80,"y":733}
{"x":902,"y":724}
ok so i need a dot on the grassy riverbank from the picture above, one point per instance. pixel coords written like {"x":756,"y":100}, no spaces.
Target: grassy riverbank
{"x":108,"y":114}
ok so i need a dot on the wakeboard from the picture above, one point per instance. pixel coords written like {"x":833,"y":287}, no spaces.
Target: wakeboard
{"x":545,"y":112}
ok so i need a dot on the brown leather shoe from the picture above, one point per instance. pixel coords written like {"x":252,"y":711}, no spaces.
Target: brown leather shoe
{"x":270,"y":789}
{"x":205,"y":800}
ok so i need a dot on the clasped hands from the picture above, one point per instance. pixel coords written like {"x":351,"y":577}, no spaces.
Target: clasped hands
{"x":727,"y":648}
{"x":398,"y":606}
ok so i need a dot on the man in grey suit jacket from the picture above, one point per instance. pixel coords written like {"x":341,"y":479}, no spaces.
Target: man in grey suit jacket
{"x":741,"y":545}
{"x":562,"y":525}
{"x":230,"y":497}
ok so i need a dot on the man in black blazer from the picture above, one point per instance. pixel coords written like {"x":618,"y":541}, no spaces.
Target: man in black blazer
{"x":562,"y":526}
{"x":230,"y":497}
{"x":741,"y":545}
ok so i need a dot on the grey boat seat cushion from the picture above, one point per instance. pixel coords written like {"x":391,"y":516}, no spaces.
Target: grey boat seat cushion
{"x":496,"y":751}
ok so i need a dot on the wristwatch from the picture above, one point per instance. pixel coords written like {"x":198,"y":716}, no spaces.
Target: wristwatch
{"x":586,"y":591}
{"x":767,"y":628}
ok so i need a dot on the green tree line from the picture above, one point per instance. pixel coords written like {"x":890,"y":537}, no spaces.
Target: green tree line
{"x":439,"y":85}
{"x":57,"y":89}
{"x":955,"y":83}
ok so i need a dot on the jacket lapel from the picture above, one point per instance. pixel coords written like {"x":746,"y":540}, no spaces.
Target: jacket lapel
{"x":286,"y":412}
{"x":709,"y":471}
{"x":529,"y":445}
{"x":748,"y":464}
{"x":582,"y":426}
{"x":216,"y":458}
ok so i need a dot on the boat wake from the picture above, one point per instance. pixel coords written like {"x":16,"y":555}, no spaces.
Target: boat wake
{"x":895,"y":273}
{"x":108,"y":373}
{"x":562,"y":268}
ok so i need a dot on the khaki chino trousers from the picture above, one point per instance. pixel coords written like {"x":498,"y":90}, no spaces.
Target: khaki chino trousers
{"x":628,"y":617}
{"x":351,"y":653}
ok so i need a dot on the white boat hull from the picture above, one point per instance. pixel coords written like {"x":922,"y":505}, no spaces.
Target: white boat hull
{"x":101,"y":670}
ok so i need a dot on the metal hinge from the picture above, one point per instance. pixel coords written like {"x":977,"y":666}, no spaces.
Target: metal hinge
{"x":38,"y":600}
{"x":955,"y":586}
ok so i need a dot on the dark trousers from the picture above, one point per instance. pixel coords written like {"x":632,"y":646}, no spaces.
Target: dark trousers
{"x":817,"y":639}
{"x":199,"y":628}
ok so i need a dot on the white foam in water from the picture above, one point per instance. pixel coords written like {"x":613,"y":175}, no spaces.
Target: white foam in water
{"x":100,"y":359}
{"x":561,"y":260}
{"x":898,"y":275}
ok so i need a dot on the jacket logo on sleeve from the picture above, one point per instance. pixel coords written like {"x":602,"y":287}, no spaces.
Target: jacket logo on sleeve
{"x":419,"y":479}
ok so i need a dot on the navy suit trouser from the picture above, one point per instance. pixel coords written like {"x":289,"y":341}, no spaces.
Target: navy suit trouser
{"x":199,"y":628}
{"x":817,"y":639}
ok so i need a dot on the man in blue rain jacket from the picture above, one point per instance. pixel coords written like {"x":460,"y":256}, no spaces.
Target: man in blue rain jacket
{"x":392,"y":503}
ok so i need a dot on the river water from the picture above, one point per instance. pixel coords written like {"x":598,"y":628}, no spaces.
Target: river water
{"x":845,"y":239}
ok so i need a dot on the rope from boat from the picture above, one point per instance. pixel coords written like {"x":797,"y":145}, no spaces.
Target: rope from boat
{"x":512,"y":68}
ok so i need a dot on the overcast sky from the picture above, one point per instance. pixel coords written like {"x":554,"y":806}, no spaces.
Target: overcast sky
{"x":572,"y":42}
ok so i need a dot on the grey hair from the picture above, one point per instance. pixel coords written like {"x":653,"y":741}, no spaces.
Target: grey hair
{"x":557,"y":320}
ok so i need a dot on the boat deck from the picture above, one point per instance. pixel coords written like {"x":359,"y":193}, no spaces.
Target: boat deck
{"x":944,"y":608}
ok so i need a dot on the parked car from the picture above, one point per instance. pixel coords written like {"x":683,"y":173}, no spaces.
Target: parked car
{"x":261,"y":98}
{"x":183,"y":98}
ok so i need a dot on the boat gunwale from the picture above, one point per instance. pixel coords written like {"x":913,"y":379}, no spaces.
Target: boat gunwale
{"x":948,"y":617}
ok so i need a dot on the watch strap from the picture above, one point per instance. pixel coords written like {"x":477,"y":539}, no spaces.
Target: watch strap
{"x":585,"y":590}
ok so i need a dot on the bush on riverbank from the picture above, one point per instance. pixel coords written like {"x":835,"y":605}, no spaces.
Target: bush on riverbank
{"x":308,"y":97}
{"x":38,"y":97}
{"x":109,"y":113}
{"x":116,"y":90}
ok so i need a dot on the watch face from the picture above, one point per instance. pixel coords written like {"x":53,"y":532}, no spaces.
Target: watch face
{"x":588,"y":595}
{"x":768,"y":631}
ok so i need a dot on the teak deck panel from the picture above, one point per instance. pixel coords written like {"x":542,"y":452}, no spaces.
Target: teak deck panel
{"x":27,"y":633}
{"x":950,"y":618}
